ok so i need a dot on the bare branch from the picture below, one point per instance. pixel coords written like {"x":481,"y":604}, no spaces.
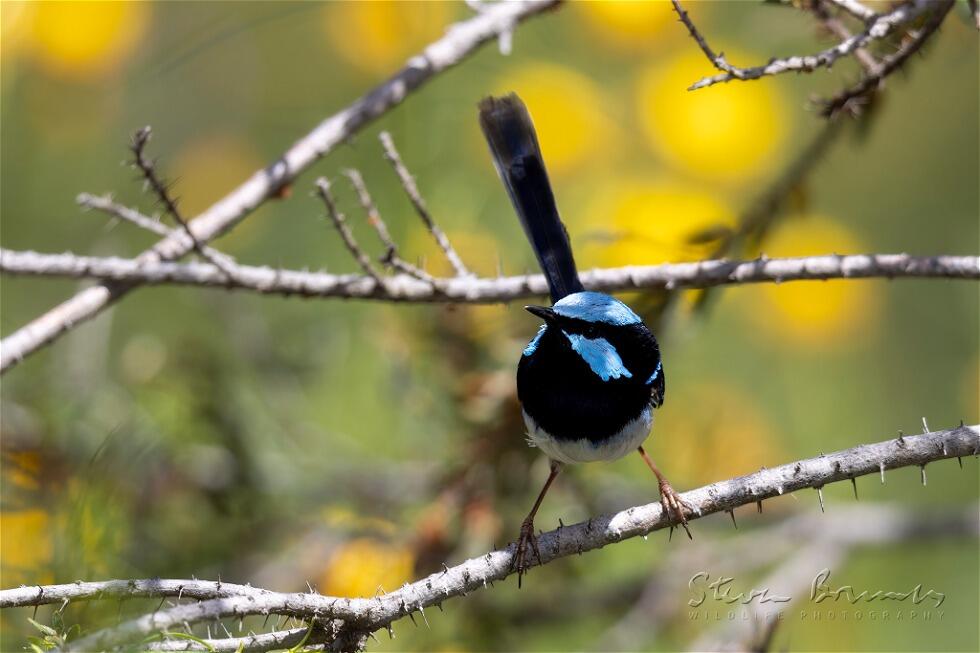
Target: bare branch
{"x":107,"y":205}
{"x":461,"y":40}
{"x":475,"y":290}
{"x":836,"y":26}
{"x":856,"y":9}
{"x":412,"y":190}
{"x":364,"y":615}
{"x":889,"y":64}
{"x":876,"y":30}
{"x":323,"y":190}
{"x":391,"y":256}
{"x":161,"y":189}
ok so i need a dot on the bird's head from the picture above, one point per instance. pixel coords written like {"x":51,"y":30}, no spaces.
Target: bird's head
{"x":587,"y":313}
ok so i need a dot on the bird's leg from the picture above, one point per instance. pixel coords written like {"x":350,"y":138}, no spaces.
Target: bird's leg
{"x":673,"y":505}
{"x":521,"y":560}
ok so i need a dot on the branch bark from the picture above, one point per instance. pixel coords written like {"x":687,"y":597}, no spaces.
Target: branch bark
{"x":366,"y":615}
{"x":461,"y":40}
{"x":470,"y":290}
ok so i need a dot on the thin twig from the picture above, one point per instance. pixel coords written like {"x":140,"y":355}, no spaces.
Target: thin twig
{"x":323,"y":190}
{"x":836,"y":26}
{"x":459,"y":41}
{"x":366,"y":615}
{"x":412,"y":190}
{"x":161,"y":190}
{"x":856,"y":9}
{"x":849,"y":97}
{"x":876,"y":30}
{"x":476,"y":290}
{"x":390,"y":257}
{"x":105,"y":204}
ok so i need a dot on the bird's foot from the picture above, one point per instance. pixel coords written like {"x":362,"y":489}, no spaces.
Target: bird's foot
{"x":674,"y":506}
{"x":526,"y":544}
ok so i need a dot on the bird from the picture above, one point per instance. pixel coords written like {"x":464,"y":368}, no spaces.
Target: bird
{"x":589,"y":380}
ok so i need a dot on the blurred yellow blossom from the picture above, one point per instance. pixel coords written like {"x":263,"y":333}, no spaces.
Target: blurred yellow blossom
{"x":626,"y":24}
{"x":15,"y":26}
{"x":648,"y":221}
{"x":85,"y":40}
{"x":207,"y":169}
{"x":726,"y":132}
{"x":713,"y":431}
{"x":379,"y":36}
{"x":25,"y":546}
{"x":816,"y":314}
{"x":358,"y":567}
{"x":568,"y":114}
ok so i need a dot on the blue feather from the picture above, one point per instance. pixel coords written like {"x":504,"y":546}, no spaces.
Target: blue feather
{"x":533,"y":345}
{"x":596,"y":307}
{"x":601,"y":356}
{"x":656,"y":373}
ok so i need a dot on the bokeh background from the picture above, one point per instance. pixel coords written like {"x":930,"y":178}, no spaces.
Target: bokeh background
{"x":360,"y":445}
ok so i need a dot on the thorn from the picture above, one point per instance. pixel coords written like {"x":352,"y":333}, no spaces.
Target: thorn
{"x":820,"y":495}
{"x":960,"y":461}
{"x":670,"y":534}
{"x":411,"y":615}
{"x":731,"y":513}
{"x":922,"y":471}
{"x":758,"y":504}
{"x":881,"y":468}
{"x":445,"y":569}
{"x":854,"y":484}
{"x":925,"y":426}
{"x":901,"y":438}
{"x":424,"y":618}
{"x":391,"y":632}
{"x":439,"y":605}
{"x":371,"y":635}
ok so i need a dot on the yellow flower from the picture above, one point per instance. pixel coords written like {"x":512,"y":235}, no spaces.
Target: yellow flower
{"x":728,"y":132}
{"x":817,"y":314}
{"x":626,"y":25}
{"x":567,"y":109}
{"x":85,"y":40}
{"x":358,"y":567}
{"x":643,"y":222}
{"x":25,"y":546}
{"x":207,"y":169}
{"x":715,"y":431}
{"x":379,"y":36}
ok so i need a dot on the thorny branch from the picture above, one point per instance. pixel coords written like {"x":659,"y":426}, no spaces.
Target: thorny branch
{"x":360,"y":616}
{"x":406,"y":288}
{"x":876,"y":29}
{"x":460,"y":40}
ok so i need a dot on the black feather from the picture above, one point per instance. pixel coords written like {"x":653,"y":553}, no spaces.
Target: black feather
{"x":517,"y":156}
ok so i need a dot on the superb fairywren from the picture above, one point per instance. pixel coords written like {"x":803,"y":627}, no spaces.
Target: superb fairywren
{"x":589,"y":380}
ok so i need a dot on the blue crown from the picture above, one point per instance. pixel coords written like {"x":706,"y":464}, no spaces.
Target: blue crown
{"x":596,"y":307}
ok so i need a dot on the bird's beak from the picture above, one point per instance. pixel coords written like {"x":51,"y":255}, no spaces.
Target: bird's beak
{"x":543,"y":312}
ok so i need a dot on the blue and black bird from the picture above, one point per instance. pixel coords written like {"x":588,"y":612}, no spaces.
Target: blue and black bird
{"x":590,"y":379}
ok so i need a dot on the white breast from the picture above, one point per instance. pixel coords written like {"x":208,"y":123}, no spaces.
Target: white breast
{"x":626,"y":440}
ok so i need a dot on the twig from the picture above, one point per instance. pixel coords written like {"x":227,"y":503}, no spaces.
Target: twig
{"x":475,"y":290}
{"x":391,"y":256}
{"x":412,"y":190}
{"x":365,"y":615}
{"x":856,"y":9}
{"x":846,"y":98}
{"x":107,"y":205}
{"x":323,"y":190}
{"x":461,"y":40}
{"x":876,"y":30}
{"x":836,"y":26}
{"x":161,"y":190}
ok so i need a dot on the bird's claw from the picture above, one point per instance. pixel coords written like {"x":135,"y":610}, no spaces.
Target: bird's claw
{"x":674,"y":506}
{"x":521,"y":561}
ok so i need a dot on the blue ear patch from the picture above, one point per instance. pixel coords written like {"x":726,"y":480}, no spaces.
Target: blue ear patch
{"x":533,"y":345}
{"x":596,"y":307}
{"x":656,"y":373}
{"x":601,"y":356}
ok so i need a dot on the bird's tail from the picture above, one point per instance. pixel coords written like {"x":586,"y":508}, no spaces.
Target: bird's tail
{"x":517,"y":156}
